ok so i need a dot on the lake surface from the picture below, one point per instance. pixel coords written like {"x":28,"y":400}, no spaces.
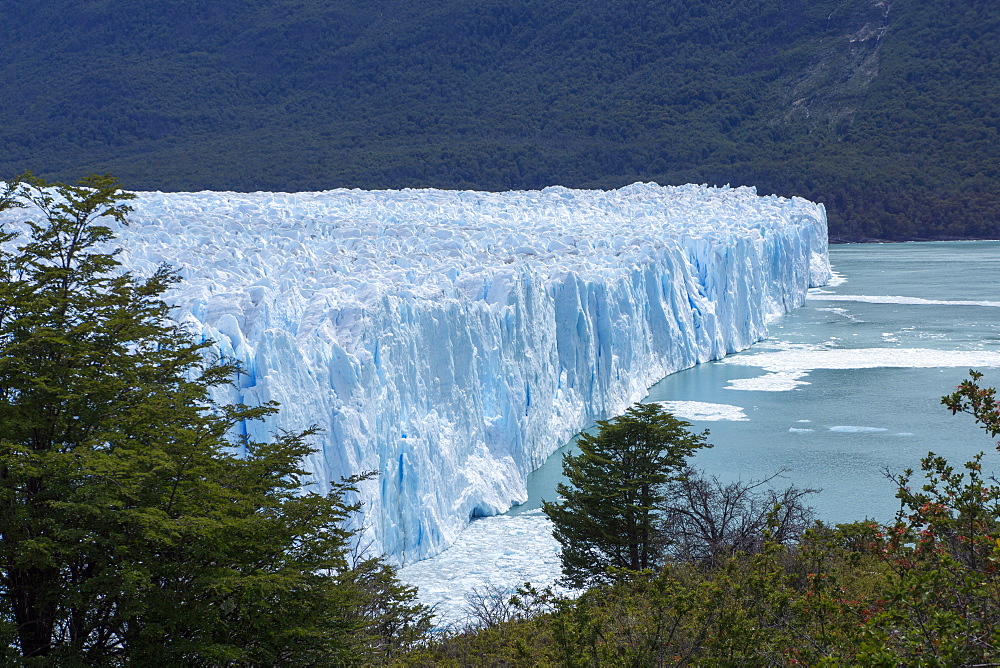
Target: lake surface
{"x":849,"y":385}
{"x":846,"y":388}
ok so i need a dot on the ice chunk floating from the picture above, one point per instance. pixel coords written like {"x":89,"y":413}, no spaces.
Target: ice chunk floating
{"x":700,"y":410}
{"x":452,"y":340}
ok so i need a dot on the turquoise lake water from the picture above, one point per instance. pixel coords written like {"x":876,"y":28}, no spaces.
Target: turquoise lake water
{"x":849,"y":386}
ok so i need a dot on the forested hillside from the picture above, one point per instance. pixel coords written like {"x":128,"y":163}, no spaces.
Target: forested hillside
{"x":886,"y":111}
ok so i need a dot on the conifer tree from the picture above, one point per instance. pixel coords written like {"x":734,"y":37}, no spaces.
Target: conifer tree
{"x":608,"y":517}
{"x":129,"y":531}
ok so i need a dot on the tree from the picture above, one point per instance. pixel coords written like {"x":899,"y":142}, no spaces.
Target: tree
{"x":707,"y":522}
{"x":130,"y":532}
{"x":609,"y":513}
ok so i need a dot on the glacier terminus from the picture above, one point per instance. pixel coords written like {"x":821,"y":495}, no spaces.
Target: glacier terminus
{"x":452,"y":340}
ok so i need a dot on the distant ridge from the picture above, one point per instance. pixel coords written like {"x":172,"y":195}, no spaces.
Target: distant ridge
{"x":885,"y":111}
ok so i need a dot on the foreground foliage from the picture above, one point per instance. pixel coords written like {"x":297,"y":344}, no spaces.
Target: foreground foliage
{"x":704,"y":521}
{"x":923,"y":590}
{"x":130,"y":531}
{"x":607,"y":522}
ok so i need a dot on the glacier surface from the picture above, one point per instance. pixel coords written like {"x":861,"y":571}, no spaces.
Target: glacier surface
{"x":452,"y":340}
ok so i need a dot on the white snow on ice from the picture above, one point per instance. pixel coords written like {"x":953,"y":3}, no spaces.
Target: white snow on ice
{"x":835,"y":280}
{"x":885,"y":299}
{"x":802,"y":361}
{"x":778,"y":381}
{"x":849,"y":429}
{"x":505,"y":551}
{"x":453,"y":340}
{"x":701,"y":410}
{"x":785,"y":367}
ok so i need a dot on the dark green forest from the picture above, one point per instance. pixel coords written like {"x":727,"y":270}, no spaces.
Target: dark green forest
{"x":888,"y":112}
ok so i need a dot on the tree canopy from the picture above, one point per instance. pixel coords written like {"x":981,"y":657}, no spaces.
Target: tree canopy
{"x":130,"y":531}
{"x":608,"y":518}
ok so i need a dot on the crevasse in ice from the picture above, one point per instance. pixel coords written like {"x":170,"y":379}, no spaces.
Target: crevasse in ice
{"x":452,"y":340}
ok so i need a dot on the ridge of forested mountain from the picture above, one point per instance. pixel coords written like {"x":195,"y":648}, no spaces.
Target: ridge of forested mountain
{"x":888,"y":111}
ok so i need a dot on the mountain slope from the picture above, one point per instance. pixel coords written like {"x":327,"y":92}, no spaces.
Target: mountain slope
{"x":885,"y":112}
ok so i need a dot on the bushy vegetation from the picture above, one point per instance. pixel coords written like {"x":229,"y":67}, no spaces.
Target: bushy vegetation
{"x":135,"y":529}
{"x":923,"y":590}
{"x":883,"y":111}
{"x":609,"y":519}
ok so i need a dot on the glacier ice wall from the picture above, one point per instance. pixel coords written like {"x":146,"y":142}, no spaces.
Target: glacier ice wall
{"x":452,"y":340}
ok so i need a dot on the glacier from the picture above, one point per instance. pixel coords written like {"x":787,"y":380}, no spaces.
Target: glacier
{"x":452,"y":340}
